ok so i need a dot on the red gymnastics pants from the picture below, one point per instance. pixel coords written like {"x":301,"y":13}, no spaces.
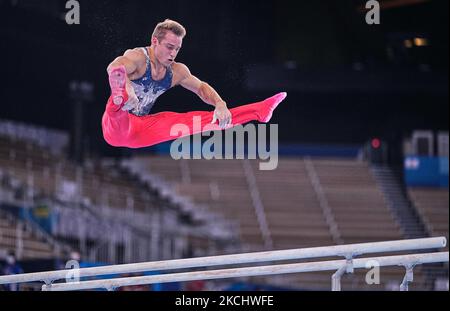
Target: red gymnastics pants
{"x":123,"y":129}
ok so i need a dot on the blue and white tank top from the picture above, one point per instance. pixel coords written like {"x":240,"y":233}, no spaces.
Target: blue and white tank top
{"x":148,"y":90}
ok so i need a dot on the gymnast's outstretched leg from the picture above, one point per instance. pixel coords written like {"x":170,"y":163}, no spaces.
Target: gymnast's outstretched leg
{"x":123,"y":129}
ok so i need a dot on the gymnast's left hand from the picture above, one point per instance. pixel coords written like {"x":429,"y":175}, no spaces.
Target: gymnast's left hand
{"x":223,"y":115}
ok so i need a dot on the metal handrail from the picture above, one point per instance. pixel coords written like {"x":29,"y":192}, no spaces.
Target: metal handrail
{"x":347,"y":251}
{"x":111,"y":284}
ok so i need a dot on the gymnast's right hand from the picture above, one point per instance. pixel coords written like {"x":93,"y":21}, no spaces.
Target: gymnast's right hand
{"x":132,"y":98}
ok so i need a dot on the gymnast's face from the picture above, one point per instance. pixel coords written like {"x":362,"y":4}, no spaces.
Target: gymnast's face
{"x":167,"y":49}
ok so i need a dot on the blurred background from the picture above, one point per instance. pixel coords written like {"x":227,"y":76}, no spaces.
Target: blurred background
{"x":365,"y":125}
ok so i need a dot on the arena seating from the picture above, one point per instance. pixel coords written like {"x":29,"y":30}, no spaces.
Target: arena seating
{"x":295,"y":206}
{"x":292,"y":209}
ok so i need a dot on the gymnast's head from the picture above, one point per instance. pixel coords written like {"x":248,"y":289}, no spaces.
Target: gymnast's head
{"x":167,"y":39}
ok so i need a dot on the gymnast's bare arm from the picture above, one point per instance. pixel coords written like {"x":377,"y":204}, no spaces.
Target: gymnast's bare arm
{"x":133,"y":61}
{"x":183,"y":77}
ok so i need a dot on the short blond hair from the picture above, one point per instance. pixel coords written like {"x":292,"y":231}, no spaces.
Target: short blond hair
{"x":168,"y":25}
